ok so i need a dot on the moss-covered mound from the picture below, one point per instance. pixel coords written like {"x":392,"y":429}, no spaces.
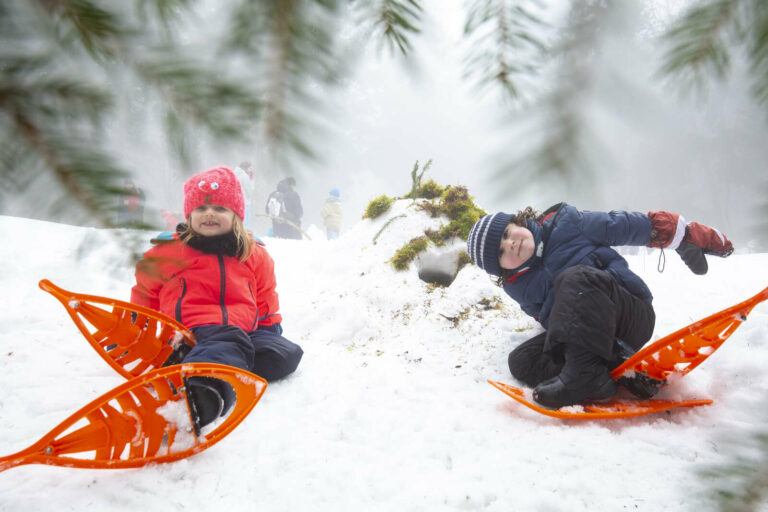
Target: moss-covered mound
{"x":378,"y":206}
{"x":407,"y":253}
{"x":451,"y":202}
{"x":454,"y":203}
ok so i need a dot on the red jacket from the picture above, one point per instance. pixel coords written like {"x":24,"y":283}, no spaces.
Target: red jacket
{"x":197,"y":288}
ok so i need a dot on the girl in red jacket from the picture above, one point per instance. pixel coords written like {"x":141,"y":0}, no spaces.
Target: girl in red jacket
{"x":220,"y":283}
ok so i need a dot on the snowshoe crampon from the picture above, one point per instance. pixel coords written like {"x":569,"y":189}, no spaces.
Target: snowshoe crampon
{"x":144,"y":420}
{"x":648,"y":369}
{"x":132,"y":339}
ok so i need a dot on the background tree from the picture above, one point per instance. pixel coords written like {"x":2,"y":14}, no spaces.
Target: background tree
{"x":702,"y":47}
{"x":66,"y":64}
{"x":79,"y":75}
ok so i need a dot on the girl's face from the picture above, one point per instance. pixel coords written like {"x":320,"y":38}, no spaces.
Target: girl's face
{"x":516,"y":246}
{"x":212,"y":220}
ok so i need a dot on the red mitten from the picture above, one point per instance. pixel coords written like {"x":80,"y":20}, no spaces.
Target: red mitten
{"x":709,"y":239}
{"x":691,"y":241}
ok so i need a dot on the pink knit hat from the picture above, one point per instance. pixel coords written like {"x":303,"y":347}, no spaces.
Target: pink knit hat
{"x":214,"y":186}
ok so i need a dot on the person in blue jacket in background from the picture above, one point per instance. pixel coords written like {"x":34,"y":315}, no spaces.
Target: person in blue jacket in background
{"x":560,"y":268}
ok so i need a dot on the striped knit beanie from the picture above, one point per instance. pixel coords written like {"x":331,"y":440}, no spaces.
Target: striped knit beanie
{"x":215,"y":186}
{"x":484,"y":240}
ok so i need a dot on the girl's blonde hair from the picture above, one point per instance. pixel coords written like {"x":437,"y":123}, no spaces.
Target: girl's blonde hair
{"x":243,"y":239}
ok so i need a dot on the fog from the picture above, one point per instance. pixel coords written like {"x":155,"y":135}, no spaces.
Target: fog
{"x":649,"y":146}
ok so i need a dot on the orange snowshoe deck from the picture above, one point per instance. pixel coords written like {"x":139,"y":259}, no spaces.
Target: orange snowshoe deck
{"x":132,"y":339}
{"x":685,"y":349}
{"x":133,"y":425}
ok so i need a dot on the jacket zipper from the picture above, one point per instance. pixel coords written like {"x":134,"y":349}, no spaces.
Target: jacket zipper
{"x":254,"y":326}
{"x":178,"y":302}
{"x":222,"y":294}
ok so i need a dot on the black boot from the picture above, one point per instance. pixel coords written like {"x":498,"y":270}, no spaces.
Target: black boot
{"x":205,"y":403}
{"x":584,"y":377}
{"x":621,"y":352}
{"x":641,"y":385}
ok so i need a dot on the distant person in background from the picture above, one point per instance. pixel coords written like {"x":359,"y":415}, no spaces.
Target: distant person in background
{"x":331,"y":213}
{"x":131,"y":208}
{"x":244,"y":173}
{"x":285,"y":203}
{"x":171,"y":219}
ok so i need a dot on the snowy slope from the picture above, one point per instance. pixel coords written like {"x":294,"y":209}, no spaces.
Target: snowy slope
{"x":389,"y":409}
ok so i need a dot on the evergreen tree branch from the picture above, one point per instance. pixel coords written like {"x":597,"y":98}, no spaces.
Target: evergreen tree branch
{"x":504,"y":48}
{"x":224,"y":107}
{"x":554,"y":127}
{"x":297,"y":49}
{"x":737,"y":482}
{"x":698,"y":44}
{"x":87,"y":175}
{"x":758,"y":49}
{"x":98,"y":29}
{"x":394,"y":22}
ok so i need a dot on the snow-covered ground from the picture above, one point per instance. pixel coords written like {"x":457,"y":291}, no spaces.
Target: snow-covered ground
{"x":389,"y":409}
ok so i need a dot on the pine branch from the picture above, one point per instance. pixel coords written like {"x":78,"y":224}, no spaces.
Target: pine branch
{"x":504,"y":49}
{"x":87,"y":174}
{"x":99,"y":30}
{"x":553,"y":126}
{"x":224,"y":107}
{"x":396,"y":21}
{"x":758,"y":49}
{"x":297,"y":49}
{"x":737,"y":482}
{"x":698,"y":43}
{"x":166,"y":11}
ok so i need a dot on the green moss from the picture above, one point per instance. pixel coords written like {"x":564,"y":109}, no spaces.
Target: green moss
{"x":432,"y":208}
{"x":435,"y":236}
{"x":464,"y":260}
{"x":378,"y":206}
{"x":429,"y":190}
{"x":406,"y":254}
{"x":453,"y":202}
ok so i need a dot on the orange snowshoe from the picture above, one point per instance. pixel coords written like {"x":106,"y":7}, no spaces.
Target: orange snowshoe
{"x":132,"y":339}
{"x":648,"y":369}
{"x":145,"y":420}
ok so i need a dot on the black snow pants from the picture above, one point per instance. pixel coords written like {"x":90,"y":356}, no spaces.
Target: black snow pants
{"x":265,"y":353}
{"x":591,"y":311}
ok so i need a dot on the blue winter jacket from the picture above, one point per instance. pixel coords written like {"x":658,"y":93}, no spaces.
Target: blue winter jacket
{"x":565,"y":237}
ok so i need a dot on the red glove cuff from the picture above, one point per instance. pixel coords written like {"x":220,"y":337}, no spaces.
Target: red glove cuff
{"x":667,"y":230}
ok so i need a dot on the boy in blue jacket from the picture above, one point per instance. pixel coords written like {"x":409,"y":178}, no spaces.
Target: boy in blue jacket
{"x":560,"y":267}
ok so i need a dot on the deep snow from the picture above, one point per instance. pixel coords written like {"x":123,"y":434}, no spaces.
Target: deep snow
{"x":389,"y":409}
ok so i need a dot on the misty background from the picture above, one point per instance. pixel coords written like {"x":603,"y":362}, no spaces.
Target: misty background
{"x":587,"y":114}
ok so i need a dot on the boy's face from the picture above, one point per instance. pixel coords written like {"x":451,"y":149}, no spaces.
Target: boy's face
{"x":516,"y":247}
{"x":212,"y":220}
